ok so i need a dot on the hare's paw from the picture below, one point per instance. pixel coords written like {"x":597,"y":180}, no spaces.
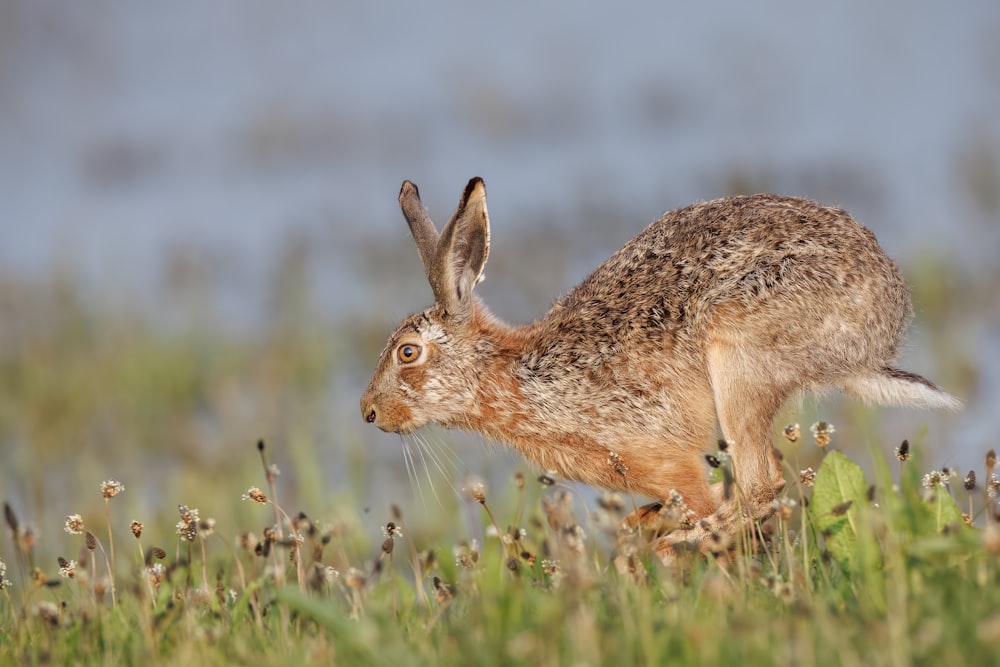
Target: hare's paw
{"x":711,"y":537}
{"x":715,"y":536}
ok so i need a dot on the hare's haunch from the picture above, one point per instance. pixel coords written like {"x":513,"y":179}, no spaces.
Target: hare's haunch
{"x":715,"y":314}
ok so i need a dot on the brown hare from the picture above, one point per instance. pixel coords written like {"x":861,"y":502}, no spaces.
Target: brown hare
{"x":715,"y":314}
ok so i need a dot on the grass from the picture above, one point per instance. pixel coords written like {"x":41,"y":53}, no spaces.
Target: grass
{"x":853,"y":569}
{"x":866,"y":575}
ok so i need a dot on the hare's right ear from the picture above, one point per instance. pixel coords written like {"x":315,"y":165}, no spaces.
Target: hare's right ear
{"x":461,"y":253}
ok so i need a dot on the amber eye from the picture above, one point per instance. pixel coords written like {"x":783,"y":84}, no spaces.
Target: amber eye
{"x":407,"y":354}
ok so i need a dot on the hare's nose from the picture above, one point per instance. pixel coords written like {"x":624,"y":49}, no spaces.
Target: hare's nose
{"x":368,"y":409}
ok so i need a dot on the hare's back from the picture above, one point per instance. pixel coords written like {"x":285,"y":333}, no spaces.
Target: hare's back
{"x":738,"y":248}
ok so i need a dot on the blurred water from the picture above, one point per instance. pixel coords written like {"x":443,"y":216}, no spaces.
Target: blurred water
{"x":131,"y":131}
{"x":127,"y":128}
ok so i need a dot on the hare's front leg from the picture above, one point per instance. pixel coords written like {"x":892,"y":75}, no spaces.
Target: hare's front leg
{"x":748,"y":390}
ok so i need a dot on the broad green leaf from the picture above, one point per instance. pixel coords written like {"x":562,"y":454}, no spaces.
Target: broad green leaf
{"x":839,"y":481}
{"x":946,"y":511}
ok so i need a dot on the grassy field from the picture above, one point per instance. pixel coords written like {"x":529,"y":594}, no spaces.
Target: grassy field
{"x":866,"y":575}
{"x":269,"y":565}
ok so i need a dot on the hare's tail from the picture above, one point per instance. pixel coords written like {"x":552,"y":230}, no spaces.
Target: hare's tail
{"x":891,"y":386}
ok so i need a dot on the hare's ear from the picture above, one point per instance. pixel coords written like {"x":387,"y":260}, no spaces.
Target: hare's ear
{"x":462,"y":251}
{"x":421,"y":226}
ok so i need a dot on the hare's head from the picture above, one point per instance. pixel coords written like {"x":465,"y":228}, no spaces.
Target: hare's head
{"x":429,"y":367}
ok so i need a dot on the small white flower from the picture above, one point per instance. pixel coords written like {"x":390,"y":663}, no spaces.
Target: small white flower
{"x":933,"y":479}
{"x":67,"y":569}
{"x":111,"y":488}
{"x":74,"y":524}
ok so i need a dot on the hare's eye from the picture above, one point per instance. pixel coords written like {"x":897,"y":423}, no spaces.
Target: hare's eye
{"x":407,"y":354}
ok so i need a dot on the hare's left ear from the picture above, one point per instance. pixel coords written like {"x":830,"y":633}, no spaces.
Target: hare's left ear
{"x":461,"y":253}
{"x":424,"y":232}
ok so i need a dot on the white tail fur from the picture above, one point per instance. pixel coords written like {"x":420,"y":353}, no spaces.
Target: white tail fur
{"x":892,"y":386}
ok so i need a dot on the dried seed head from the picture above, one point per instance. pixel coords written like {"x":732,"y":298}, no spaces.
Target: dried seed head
{"x":256,"y":495}
{"x":91,"y":541}
{"x":387,"y":545}
{"x":991,"y":461}
{"x":187,"y":527}
{"x":467,"y":555}
{"x":391,"y":530}
{"x":10,"y":517}
{"x":67,"y":568}
{"x":792,"y":433}
{"x":610,"y":501}
{"x":26,"y":537}
{"x":442,"y":591}
{"x":111,"y":488}
{"x":783,"y":507}
{"x":136,"y":527}
{"x":475,"y":489}
{"x":74,"y":524}
{"x":617,"y":463}
{"x":934,"y":479}
{"x":993,"y":486}
{"x":206,"y":527}
{"x":246,"y":541}
{"x":903,"y":451}
{"x":519,"y":479}
{"x":427,"y":560}
{"x":5,"y":583}
{"x":155,"y":573}
{"x":970,"y":481}
{"x":396,"y":511}
{"x":822,"y":431}
{"x":355,"y":579}
{"x":807,"y":477}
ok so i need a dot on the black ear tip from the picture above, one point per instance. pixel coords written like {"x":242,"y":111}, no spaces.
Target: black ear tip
{"x":474,"y":182}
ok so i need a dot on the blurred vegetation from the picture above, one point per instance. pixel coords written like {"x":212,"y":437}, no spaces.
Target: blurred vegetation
{"x":89,"y":391}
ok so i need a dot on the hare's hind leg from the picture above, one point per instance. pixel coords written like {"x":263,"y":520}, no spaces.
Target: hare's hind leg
{"x":748,"y":391}
{"x":748,"y":394}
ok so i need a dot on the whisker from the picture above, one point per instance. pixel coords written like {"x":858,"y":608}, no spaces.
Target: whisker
{"x":411,"y":469}
{"x":421,"y":446}
{"x":443,"y":458}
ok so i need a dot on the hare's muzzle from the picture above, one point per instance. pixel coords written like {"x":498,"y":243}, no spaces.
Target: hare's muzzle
{"x":385,"y":419}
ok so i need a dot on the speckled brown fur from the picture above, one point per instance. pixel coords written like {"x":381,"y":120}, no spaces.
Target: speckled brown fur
{"x":715,"y":314}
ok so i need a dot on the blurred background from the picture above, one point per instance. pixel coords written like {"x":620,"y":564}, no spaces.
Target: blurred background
{"x":201,"y":244}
